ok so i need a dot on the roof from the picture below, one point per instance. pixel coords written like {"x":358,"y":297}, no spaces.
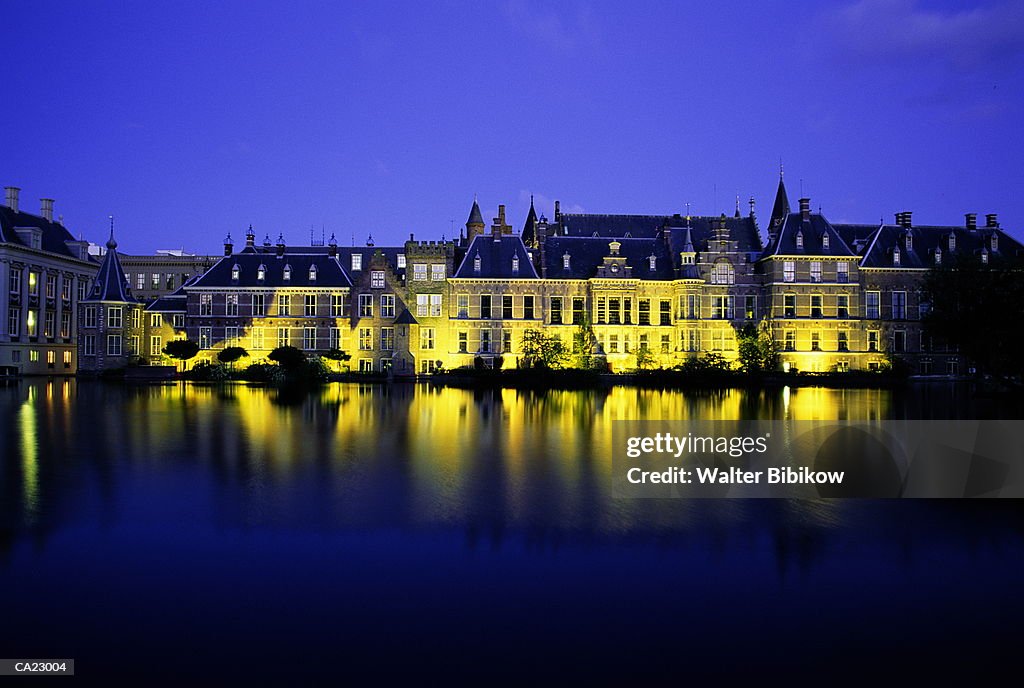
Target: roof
{"x":111,"y":283}
{"x":406,"y":318}
{"x":496,"y":258}
{"x":175,"y":301}
{"x":530,"y":228}
{"x":54,"y":234}
{"x":586,"y":254}
{"x":475,"y":216}
{"x":807,"y":236}
{"x":391,"y":254}
{"x":927,"y":240}
{"x":781,"y":207}
{"x":329,"y":272}
{"x":741,"y":229}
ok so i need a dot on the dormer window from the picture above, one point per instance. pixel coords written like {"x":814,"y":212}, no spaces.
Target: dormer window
{"x":910,"y":241}
{"x":287,"y":273}
{"x":952,"y":242}
{"x":653,"y":260}
{"x":824,"y":241}
{"x":800,"y":240}
{"x":995,"y":242}
{"x":235,"y":272}
{"x":515,"y":263}
{"x":938,"y":256}
{"x":984,"y":256}
{"x":312,"y":273}
{"x":565,"y":260}
{"x":357,"y":261}
{"x":476,"y":263}
{"x":896,"y":255}
{"x":261,"y":273}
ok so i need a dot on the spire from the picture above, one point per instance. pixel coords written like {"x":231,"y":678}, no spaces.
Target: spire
{"x":112,"y":242}
{"x":530,"y":229}
{"x":781,"y":208}
{"x":111,"y":283}
{"x":688,"y":241}
{"x":475,"y":223}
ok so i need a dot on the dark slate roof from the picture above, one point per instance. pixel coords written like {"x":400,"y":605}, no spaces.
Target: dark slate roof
{"x":927,"y":238}
{"x":781,"y":207}
{"x":857,"y":236}
{"x":530,"y":228}
{"x":813,"y":228}
{"x":586,"y":254}
{"x":54,"y":233}
{"x":496,"y":258}
{"x":741,"y":229}
{"x":390,"y":253}
{"x":329,"y":271}
{"x":406,"y":318}
{"x":475,"y":216}
{"x":175,"y":301}
{"x":111,"y":283}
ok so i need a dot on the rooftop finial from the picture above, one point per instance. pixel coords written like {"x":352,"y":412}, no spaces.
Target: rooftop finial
{"x":780,"y":168}
{"x":111,"y":242}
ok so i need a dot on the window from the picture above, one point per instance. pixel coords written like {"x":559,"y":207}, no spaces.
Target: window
{"x":815,"y":341}
{"x":506,"y":307}
{"x":33,"y":283}
{"x":335,"y":338}
{"x":308,"y":338}
{"x":579,"y":306}
{"x":89,"y":345}
{"x":871,"y":302}
{"x":815,"y":270}
{"x":923,"y":308}
{"x":789,"y":271}
{"x":65,"y":324}
{"x":692,"y":306}
{"x":283,"y":337}
{"x":67,"y":359}
{"x":366,"y":339}
{"x":666,"y":311}
{"x":231,"y":305}
{"x":419,"y":271}
{"x":113,"y":345}
{"x":14,"y":321}
{"x":896,"y":256}
{"x":899,"y":341}
{"x":256,"y":337}
{"x":169,"y":281}
{"x":65,"y":289}
{"x":435,"y":305}
{"x":287,"y":273}
{"x":357,"y":261}
{"x":644,"y":311}
{"x":284,"y":304}
{"x":261,"y":273}
{"x":400,"y":261}
{"x":136,"y":317}
{"x":843,"y":343}
{"x":366,"y":305}
{"x":336,"y":305}
{"x":33,"y":355}
{"x":825,"y":241}
{"x":614,"y":311}
{"x":115,"y":316}
{"x":155,"y":320}
{"x":613,"y":344}
{"x":515,"y":263}
{"x":31,"y":326}
{"x":231,"y":335}
{"x":485,"y":341}
{"x":938,"y":261}
{"x":816,"y":305}
{"x":387,"y":339}
{"x":666,"y":343}
{"x":205,"y":335}
{"x":693,"y":340}
{"x":872,"y":340}
{"x":376,"y":279}
{"x":437,"y":272}
{"x":790,"y":340}
{"x":899,"y":305}
{"x":51,"y":358}
{"x":789,"y":306}
{"x":387,"y":305}
{"x":506,"y":341}
{"x":312,"y":273}
{"x":88,"y":321}
{"x":259,"y":307}
{"x":565,"y":261}
{"x":422,"y":305}
{"x":476,"y":263}
{"x":83,"y":287}
{"x":14,"y":283}
{"x":721,"y":307}
{"x":49,"y":324}
{"x":952,"y":365}
{"x":843,"y":306}
{"x":556,"y":310}
{"x":309,"y":305}
{"x":426,"y":338}
{"x":842,"y":271}
{"x":602,"y":310}
{"x":952,"y":242}
{"x":206,"y":304}
{"x":653,"y":262}
{"x":179,"y":321}
{"x":799,"y":240}
{"x":235,"y":272}
{"x":154,"y":280}
{"x":463,"y":305}
{"x":723,"y":273}
{"x":485,"y":306}
{"x":51,"y":286}
{"x":463,"y":342}
{"x":365,"y":365}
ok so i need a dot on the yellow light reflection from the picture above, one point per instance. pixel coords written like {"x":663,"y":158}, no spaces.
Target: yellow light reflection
{"x":29,"y":459}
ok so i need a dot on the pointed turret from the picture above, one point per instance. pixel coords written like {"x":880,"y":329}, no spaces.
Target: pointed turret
{"x":111,"y":283}
{"x":530,"y":228}
{"x":781,"y":208}
{"x":475,"y":223}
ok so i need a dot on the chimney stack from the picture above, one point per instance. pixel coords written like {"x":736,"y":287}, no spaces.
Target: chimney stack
{"x":972,"y":221}
{"x":46,"y":208}
{"x":906,"y":218}
{"x":280,"y":245}
{"x":991,"y":220}
{"x":250,"y":238}
{"x":229,"y":246}
{"x":332,"y":247}
{"x":558,"y":211}
{"x":12,"y":197}
{"x":805,"y":208}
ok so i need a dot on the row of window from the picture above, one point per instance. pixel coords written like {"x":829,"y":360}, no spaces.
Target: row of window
{"x":65,"y":283}
{"x":31,"y":320}
{"x":158,"y":280}
{"x":33,"y":357}
{"x":815,"y":274}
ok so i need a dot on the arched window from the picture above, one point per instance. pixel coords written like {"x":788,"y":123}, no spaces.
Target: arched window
{"x":653,"y":259}
{"x":565,"y":260}
{"x":312,"y":273}
{"x":896,"y":255}
{"x":261,"y":272}
{"x":799,"y":239}
{"x":515,"y":263}
{"x":476,"y":263}
{"x":235,"y":272}
{"x":723,"y":273}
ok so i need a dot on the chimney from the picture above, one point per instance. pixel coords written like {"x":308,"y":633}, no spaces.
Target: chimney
{"x":46,"y":208}
{"x":332,"y":247}
{"x":558,"y":211}
{"x":499,"y":227}
{"x":972,"y":221}
{"x":991,"y":220}
{"x":906,"y":218}
{"x":12,"y":197}
{"x":229,"y":247}
{"x":250,"y":238}
{"x":805,"y":208}
{"x":280,"y":245}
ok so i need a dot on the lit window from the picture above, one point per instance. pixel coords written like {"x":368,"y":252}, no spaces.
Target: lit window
{"x":799,"y":240}
{"x":312,"y":273}
{"x":376,"y":279}
{"x":401,"y":261}
{"x":287,"y":273}
{"x":422,"y":304}
{"x":565,"y":260}
{"x":653,"y":260}
{"x":476,"y":263}
{"x":261,"y":273}
{"x":387,"y":305}
{"x":33,"y":283}
{"x":515,"y":263}
{"x":815,"y":270}
{"x":723,"y":273}
{"x":896,"y":256}
{"x":789,"y":271}
{"x":357,"y":261}
{"x":437,"y":272}
{"x":235,"y":272}
{"x":419,"y":271}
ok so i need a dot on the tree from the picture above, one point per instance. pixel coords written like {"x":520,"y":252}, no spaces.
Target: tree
{"x":644,"y":357}
{"x":288,"y":357}
{"x":758,"y":351}
{"x":974,"y":307}
{"x":181,"y":349}
{"x":541,"y":350}
{"x":583,"y":342}
{"x":231,"y":354}
{"x":336,"y":355}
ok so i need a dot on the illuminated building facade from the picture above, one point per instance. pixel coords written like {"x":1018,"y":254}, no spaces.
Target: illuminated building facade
{"x":44,"y":274}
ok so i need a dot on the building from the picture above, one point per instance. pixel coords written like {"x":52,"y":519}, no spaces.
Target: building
{"x":154,"y":276}
{"x":44,"y":273}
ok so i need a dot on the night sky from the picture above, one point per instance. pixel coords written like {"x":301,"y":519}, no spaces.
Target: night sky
{"x":191,"y":120}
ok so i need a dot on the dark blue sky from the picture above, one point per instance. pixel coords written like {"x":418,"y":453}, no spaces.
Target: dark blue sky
{"x":190,"y":120}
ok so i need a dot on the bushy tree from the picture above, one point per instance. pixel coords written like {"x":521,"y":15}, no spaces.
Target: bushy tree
{"x":288,"y":357}
{"x":541,"y":350}
{"x":583,"y":342}
{"x":644,"y":357}
{"x":181,"y":349}
{"x":758,"y":351}
{"x":231,"y":354}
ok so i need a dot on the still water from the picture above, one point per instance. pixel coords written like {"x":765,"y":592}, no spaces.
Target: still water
{"x":176,"y":532}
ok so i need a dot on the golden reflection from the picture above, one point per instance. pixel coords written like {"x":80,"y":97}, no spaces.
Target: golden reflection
{"x":27,"y":423}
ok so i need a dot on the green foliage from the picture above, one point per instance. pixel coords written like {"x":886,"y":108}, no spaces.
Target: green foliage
{"x":231,"y":354}
{"x":336,"y":355}
{"x":207,"y":371}
{"x":289,"y":358}
{"x":541,"y":350}
{"x":181,"y":349}
{"x":583,"y":343}
{"x":644,"y":357}
{"x":263,"y":372}
{"x":758,"y":351}
{"x":976,"y":308}
{"x":706,"y":363}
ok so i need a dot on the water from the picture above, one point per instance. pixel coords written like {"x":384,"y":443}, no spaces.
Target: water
{"x":176,"y":532}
